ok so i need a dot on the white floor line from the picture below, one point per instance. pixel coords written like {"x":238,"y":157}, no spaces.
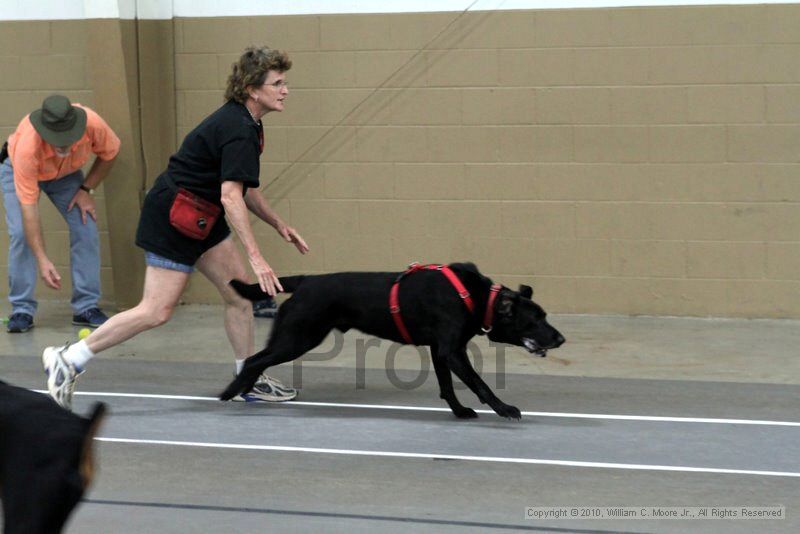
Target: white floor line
{"x":432,"y":456}
{"x":649,"y":418}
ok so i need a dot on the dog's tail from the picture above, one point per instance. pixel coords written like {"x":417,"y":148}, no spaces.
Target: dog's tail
{"x":253,"y":291}
{"x":243,"y":382}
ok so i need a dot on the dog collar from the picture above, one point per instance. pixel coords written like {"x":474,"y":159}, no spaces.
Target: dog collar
{"x":488,"y":317}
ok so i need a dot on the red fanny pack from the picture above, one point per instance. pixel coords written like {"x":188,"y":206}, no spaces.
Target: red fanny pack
{"x":193,"y":216}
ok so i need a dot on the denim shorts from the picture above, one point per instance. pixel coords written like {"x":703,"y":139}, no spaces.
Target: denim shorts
{"x":154,"y":260}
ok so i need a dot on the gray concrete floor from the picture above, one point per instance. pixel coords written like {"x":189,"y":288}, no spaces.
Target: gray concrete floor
{"x":368,"y":445}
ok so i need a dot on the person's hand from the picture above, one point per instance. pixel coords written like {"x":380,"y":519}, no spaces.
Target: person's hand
{"x":49,"y":274}
{"x":291,"y":235}
{"x":267,"y":279}
{"x":85,"y":203}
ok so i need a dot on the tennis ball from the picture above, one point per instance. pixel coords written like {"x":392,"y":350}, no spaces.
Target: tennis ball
{"x":83,"y":333}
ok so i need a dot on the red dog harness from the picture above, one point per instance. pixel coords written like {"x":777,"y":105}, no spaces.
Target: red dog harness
{"x":394,"y":298}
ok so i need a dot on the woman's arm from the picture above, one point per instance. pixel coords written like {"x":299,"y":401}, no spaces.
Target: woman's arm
{"x":257,"y":204}
{"x":236,"y":211}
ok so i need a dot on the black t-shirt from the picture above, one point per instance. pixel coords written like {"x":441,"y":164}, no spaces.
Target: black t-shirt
{"x":224,"y":147}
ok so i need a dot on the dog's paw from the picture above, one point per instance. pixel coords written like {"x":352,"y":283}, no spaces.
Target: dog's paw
{"x":509,"y":412}
{"x":465,"y":413}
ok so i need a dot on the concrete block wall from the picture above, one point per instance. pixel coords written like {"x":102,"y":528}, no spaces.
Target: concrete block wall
{"x":623,"y":160}
{"x":633,"y":161}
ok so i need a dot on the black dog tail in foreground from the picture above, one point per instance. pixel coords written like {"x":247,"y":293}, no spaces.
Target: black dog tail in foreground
{"x":253,"y":291}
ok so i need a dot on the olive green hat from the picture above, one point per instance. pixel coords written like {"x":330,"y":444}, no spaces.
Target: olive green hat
{"x":59,"y":122}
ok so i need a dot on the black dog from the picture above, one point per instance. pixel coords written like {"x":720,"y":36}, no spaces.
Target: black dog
{"x":433,"y":313}
{"x":46,"y":460}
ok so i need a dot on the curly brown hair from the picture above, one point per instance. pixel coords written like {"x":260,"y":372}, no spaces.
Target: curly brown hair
{"x":252,"y":69}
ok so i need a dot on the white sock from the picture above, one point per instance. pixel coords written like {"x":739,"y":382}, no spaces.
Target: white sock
{"x":78,"y":354}
{"x":240,"y":365}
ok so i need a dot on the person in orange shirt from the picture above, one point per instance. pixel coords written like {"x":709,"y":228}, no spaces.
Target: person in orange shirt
{"x":46,"y":153}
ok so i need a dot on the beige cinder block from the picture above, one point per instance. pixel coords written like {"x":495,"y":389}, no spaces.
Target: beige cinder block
{"x":628,"y":160}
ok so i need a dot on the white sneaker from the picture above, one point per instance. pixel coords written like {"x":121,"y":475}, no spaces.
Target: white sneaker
{"x":267,"y":389}
{"x":61,"y":375}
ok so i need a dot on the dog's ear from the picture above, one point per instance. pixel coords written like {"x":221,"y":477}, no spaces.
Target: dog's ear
{"x":86,"y":466}
{"x":505,"y":306}
{"x":526,"y":291}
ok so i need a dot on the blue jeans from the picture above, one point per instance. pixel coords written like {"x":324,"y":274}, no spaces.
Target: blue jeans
{"x":154,"y":260}
{"x":84,"y":245}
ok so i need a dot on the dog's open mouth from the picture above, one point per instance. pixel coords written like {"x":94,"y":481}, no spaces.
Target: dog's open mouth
{"x":534,"y":347}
